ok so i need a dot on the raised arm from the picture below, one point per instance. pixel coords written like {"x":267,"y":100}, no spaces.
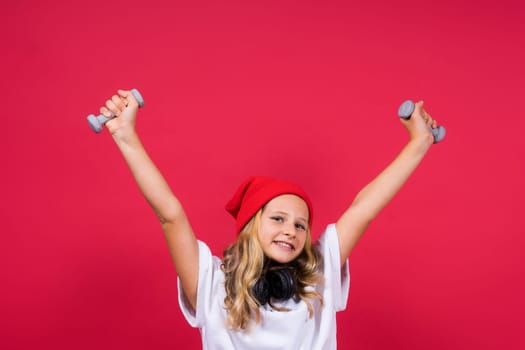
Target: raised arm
{"x":182,"y":244}
{"x":376,"y":195}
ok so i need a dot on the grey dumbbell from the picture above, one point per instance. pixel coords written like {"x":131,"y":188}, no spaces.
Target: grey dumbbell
{"x":405,"y":111}
{"x":96,"y":122}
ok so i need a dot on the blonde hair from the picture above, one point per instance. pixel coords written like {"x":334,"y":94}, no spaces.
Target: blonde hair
{"x":243,"y":264}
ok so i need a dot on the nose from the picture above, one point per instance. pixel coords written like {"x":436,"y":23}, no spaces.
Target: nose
{"x":289,"y":230}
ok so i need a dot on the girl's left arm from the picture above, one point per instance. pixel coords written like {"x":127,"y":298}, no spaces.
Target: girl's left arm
{"x":376,"y":195}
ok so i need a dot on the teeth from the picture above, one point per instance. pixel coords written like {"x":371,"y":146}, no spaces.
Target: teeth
{"x":284,"y":244}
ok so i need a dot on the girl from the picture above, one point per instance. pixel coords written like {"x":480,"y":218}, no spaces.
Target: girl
{"x":274,"y":288}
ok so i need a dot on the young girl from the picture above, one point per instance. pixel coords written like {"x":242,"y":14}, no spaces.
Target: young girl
{"x":274,"y":288}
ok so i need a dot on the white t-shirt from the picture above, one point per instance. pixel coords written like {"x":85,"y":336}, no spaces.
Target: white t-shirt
{"x":283,"y":330}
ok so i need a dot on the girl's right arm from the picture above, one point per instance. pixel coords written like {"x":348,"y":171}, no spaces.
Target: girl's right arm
{"x":182,"y":243}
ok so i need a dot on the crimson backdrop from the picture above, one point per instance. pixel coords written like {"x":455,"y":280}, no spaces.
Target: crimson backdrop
{"x":306,"y":91}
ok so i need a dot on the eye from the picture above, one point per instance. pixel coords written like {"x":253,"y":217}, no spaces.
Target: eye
{"x":300,"y":227}
{"x":277,"y":218}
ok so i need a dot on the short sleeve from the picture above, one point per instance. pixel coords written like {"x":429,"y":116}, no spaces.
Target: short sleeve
{"x":337,"y":277}
{"x":205,"y":284}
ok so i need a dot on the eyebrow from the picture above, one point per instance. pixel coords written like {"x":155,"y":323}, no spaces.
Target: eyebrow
{"x":286,"y":214}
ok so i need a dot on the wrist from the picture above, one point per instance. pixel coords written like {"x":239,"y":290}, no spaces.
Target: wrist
{"x":126,"y":137}
{"x":422,"y":143}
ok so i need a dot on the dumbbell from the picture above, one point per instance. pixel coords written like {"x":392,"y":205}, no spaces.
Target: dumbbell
{"x":96,"y":122}
{"x":405,"y":111}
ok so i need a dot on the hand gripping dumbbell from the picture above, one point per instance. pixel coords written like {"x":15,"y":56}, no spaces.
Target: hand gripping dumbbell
{"x":97,"y":122}
{"x":405,"y":111}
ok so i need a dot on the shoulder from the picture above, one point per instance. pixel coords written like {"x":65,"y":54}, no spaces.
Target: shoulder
{"x":209,"y":264}
{"x":328,"y":238}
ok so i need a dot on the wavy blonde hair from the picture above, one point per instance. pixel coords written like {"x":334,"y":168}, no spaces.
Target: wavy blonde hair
{"x":243,"y":264}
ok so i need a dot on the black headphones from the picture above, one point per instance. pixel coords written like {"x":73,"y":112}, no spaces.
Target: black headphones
{"x":277,"y":282}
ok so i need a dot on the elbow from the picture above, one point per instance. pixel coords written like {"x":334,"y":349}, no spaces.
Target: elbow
{"x":366,"y":213}
{"x":170,"y":213}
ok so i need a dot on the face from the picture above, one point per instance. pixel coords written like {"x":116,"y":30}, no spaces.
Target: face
{"x":283,"y":228}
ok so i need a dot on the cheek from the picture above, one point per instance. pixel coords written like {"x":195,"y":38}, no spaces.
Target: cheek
{"x":260,"y":237}
{"x":303,"y":240}
{"x":263,"y":234}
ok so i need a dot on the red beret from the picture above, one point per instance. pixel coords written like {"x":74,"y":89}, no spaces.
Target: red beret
{"x":255,"y":192}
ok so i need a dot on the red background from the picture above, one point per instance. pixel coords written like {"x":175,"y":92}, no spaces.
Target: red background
{"x":306,"y":91}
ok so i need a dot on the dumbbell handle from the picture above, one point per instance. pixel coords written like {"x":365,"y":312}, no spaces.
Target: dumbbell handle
{"x":405,"y":111}
{"x":96,"y":122}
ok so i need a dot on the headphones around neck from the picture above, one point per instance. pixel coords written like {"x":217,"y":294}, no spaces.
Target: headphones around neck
{"x":276,"y":283}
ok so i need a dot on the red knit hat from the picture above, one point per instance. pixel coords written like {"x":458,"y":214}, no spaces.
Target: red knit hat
{"x":255,"y":192}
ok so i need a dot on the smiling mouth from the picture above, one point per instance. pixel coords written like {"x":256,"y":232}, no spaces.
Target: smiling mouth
{"x":284,"y":245}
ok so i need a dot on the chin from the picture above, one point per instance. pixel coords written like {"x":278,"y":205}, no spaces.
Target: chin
{"x":282,"y":259}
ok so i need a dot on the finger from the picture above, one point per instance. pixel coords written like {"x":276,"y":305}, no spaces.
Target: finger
{"x":124,"y":93}
{"x":106,"y":112}
{"x":428,"y":119}
{"x":127,"y":96}
{"x":117,"y":100}
{"x":420,"y":112}
{"x":112,"y":107}
{"x":418,"y":107}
